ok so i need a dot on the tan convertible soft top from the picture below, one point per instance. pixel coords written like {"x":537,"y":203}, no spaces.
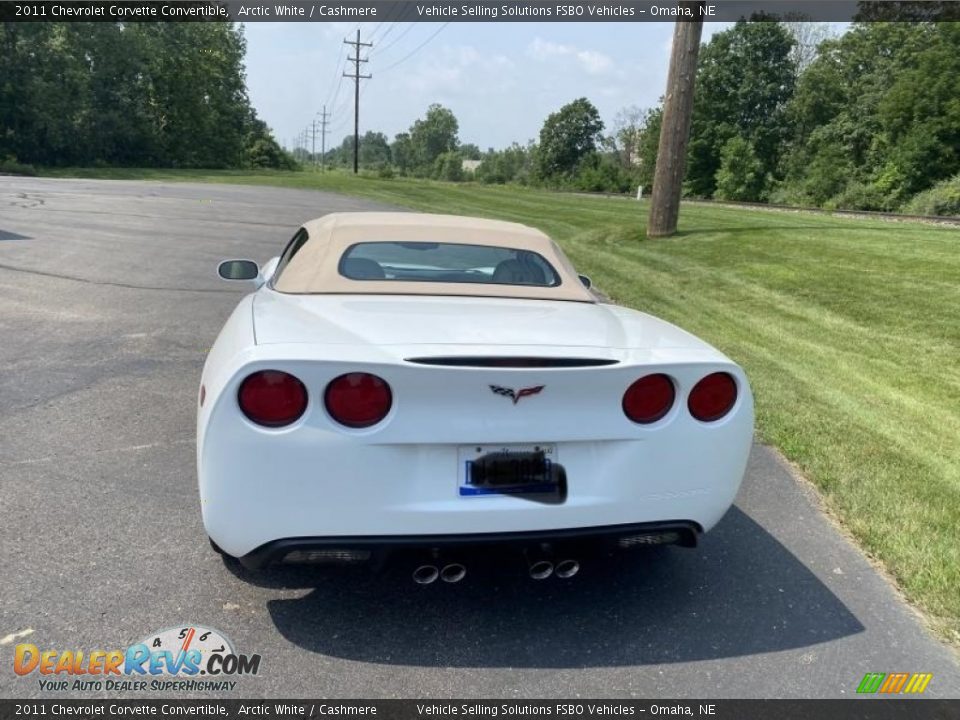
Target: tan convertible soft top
{"x":314,"y":268}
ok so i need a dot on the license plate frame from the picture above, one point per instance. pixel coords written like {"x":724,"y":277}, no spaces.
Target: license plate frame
{"x":542,"y":482}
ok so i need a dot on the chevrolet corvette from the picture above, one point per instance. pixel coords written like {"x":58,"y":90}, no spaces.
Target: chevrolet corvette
{"x":431,"y":387}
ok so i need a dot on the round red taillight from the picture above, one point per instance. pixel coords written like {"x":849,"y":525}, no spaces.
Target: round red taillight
{"x":272,"y":398}
{"x":712,"y":397}
{"x":649,"y":399}
{"x":358,"y":400}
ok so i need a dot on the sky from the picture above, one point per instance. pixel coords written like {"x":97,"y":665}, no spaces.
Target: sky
{"x":501,"y":80}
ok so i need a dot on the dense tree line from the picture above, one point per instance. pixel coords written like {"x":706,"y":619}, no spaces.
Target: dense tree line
{"x":868,"y":121}
{"x":876,"y":117}
{"x":431,"y":148}
{"x":784,"y":113}
{"x":572,"y":151}
{"x":139,"y":94}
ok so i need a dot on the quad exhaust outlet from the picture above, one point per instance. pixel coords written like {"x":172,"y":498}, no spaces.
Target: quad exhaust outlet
{"x":567,"y":568}
{"x":450,"y":573}
{"x":453,"y":573}
{"x":541,"y":569}
{"x":426,"y":574}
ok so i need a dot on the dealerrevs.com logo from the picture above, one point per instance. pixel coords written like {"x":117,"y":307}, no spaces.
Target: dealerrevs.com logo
{"x":186,"y":658}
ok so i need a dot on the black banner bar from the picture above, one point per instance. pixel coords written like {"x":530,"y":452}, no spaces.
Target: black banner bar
{"x":478,"y":11}
{"x":875,"y":708}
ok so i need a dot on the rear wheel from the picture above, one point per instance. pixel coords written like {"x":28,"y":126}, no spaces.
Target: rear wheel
{"x":216,"y":548}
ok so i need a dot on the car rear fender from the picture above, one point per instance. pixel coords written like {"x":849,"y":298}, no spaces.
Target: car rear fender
{"x":455,"y":404}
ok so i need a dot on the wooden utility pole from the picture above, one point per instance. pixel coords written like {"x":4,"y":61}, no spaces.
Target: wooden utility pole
{"x":675,"y":128}
{"x":356,"y":94}
{"x":323,"y":137}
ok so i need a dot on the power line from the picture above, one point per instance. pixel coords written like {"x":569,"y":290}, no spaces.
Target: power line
{"x":373,"y":33}
{"x":398,"y":38}
{"x":392,"y":27}
{"x":341,"y":63}
{"x":345,"y":118}
{"x":415,"y":50}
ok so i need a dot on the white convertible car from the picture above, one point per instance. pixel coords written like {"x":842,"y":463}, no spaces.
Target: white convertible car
{"x":434,"y":387}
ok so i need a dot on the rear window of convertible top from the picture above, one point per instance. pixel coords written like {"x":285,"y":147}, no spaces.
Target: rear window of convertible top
{"x":446,"y":263}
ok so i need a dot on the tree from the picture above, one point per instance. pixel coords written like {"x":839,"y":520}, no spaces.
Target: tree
{"x":402,"y":154}
{"x":431,"y":136}
{"x":261,"y":150}
{"x":740,"y":176}
{"x":875,"y":117}
{"x":374,"y":150}
{"x":149,"y":94}
{"x":449,"y":166}
{"x":567,"y":136}
{"x":744,"y":79}
{"x":343,"y":155}
{"x":648,"y":147}
{"x":470,"y":152}
{"x":807,"y":38}
{"x":636,"y":137}
{"x":919,"y":119}
{"x":628,"y":126}
{"x":512,"y":164}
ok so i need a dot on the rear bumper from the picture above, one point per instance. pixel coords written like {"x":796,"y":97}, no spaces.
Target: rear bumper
{"x":380,"y":549}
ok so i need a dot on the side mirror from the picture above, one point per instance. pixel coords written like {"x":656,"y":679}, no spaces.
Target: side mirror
{"x":587,"y":282}
{"x":238,"y":270}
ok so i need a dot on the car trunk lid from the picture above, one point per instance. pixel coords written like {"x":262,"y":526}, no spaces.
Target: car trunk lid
{"x":457,"y":326}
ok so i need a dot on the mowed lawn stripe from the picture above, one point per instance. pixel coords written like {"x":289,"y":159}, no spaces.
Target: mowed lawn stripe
{"x":876,"y":433}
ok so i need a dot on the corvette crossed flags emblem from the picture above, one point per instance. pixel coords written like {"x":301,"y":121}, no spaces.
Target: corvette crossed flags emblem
{"x":515,"y":395}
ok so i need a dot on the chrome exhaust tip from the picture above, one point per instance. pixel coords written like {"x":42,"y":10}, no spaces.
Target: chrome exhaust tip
{"x":541,"y":570}
{"x":453,"y":573}
{"x":567,"y":568}
{"x":425,"y":574}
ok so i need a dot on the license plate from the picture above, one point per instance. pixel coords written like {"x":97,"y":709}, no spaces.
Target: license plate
{"x":507,"y":469}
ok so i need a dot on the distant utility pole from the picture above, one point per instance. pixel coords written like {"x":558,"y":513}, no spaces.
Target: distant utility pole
{"x":675,"y":128}
{"x":356,"y":59}
{"x":323,"y":138}
{"x":313,"y":141}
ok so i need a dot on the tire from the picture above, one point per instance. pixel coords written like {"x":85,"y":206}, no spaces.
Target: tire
{"x":216,"y":548}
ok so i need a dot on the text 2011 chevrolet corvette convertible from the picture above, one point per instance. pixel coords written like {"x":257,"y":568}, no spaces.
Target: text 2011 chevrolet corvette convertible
{"x":437,"y":385}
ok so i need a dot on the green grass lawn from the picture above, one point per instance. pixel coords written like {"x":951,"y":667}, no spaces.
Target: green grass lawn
{"x":849,"y":330}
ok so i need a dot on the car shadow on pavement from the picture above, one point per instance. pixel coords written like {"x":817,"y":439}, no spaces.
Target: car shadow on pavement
{"x":7,"y":235}
{"x":740,"y":593}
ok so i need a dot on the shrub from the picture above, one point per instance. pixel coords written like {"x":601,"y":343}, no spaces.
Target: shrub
{"x":942,"y":199}
{"x":741,"y":175}
{"x":503,"y":166}
{"x":10,"y":166}
{"x":263,"y":152}
{"x":602,"y":173}
{"x":859,"y":196}
{"x":448,"y":166}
